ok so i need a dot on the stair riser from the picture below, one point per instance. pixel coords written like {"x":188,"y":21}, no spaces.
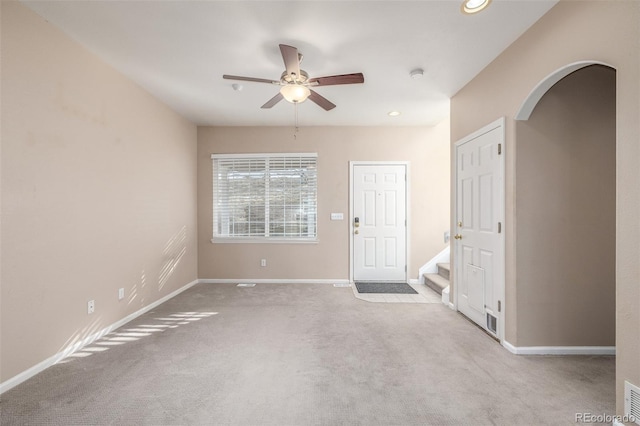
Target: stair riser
{"x":444,"y":273}
{"x":433,"y":286}
{"x":435,"y":282}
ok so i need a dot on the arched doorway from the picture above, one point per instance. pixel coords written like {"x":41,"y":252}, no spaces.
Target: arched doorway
{"x":566,"y":212}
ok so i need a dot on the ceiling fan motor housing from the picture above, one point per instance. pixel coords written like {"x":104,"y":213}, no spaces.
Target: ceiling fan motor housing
{"x":286,"y":78}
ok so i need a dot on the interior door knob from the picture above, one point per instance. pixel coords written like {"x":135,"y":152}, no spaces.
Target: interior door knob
{"x":458,"y":237}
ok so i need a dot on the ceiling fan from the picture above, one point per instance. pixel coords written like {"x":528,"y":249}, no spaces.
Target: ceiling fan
{"x":295,"y":84}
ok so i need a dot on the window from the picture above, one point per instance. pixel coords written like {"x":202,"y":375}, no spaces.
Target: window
{"x":266,"y":197}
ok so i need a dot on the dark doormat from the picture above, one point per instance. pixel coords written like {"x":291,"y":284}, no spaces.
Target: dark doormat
{"x":393,"y":288}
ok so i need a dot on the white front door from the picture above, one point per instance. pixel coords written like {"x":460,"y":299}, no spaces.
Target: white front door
{"x":479,"y":234}
{"x":379,"y":222}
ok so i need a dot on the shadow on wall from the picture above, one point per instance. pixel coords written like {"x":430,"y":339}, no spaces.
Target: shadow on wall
{"x":174,"y":250}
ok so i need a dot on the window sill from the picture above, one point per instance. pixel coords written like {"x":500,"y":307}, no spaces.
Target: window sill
{"x":249,"y":240}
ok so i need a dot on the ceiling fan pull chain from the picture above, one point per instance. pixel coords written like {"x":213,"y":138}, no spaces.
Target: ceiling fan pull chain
{"x":295,"y":109}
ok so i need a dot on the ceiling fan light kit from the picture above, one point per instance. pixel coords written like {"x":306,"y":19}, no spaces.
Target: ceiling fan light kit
{"x":296,"y":84}
{"x":295,"y":93}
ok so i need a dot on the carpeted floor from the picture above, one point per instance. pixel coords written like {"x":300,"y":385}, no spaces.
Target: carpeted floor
{"x":306,"y":355}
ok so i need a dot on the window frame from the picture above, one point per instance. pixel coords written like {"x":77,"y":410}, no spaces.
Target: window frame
{"x":266,"y":238}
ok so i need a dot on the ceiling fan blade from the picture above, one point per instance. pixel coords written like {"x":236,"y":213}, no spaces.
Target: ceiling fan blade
{"x":321,"y":101}
{"x":271,"y":102}
{"x":338,"y":79}
{"x":291,"y":59}
{"x":257,"y":80}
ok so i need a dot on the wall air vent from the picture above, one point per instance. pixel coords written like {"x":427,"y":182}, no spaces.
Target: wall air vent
{"x":492,"y":323}
{"x":632,"y":402}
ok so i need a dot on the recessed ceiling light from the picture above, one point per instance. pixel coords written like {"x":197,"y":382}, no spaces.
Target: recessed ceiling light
{"x":394,"y":113}
{"x":474,"y":6}
{"x":237,"y":87}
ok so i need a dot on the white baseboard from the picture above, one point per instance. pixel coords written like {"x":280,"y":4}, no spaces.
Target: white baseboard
{"x":27,"y":374}
{"x":559,"y":350}
{"x":414,"y":281}
{"x":271,"y":281}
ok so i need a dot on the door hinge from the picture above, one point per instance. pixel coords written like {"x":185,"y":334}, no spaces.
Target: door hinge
{"x":405,"y":268}
{"x":499,"y":227}
{"x":499,"y":149}
{"x":499,"y":306}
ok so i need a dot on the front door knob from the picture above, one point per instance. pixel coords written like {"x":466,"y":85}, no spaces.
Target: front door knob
{"x":458,"y":237}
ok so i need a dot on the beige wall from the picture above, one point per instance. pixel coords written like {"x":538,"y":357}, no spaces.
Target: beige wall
{"x":572,"y":32}
{"x":98,"y":193}
{"x":426,"y":148}
{"x":566,"y":214}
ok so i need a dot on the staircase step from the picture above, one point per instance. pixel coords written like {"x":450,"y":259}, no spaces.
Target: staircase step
{"x":444,"y":270}
{"x":436,"y":282}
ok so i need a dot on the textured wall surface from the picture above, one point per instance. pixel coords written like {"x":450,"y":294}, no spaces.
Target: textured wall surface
{"x":605,"y":32}
{"x":98,"y":193}
{"x":566,"y":214}
{"x":426,"y":148}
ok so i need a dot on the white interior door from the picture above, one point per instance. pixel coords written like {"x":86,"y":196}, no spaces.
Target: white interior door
{"x":379,"y":222}
{"x":479,"y":237}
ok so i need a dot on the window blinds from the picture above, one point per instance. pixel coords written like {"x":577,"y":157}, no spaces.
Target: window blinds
{"x":270,"y":196}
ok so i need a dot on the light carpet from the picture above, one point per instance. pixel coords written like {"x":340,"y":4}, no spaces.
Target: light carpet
{"x":306,"y":355}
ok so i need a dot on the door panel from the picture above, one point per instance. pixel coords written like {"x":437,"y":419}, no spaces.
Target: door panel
{"x":390,"y":252}
{"x":379,"y":239}
{"x":487,"y":261}
{"x":368,"y":217}
{"x":485,"y":199}
{"x":390,"y":201}
{"x":479,"y":257}
{"x":476,"y":290}
{"x":466,"y":210}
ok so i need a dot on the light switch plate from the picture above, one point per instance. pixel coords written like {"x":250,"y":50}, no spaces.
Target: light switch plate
{"x":337,"y":216}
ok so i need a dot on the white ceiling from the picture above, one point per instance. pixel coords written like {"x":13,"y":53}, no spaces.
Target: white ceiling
{"x":179,"y":50}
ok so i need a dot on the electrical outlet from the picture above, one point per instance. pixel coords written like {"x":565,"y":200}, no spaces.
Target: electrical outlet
{"x":91,"y":306}
{"x":120,"y":293}
{"x":263,"y":262}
